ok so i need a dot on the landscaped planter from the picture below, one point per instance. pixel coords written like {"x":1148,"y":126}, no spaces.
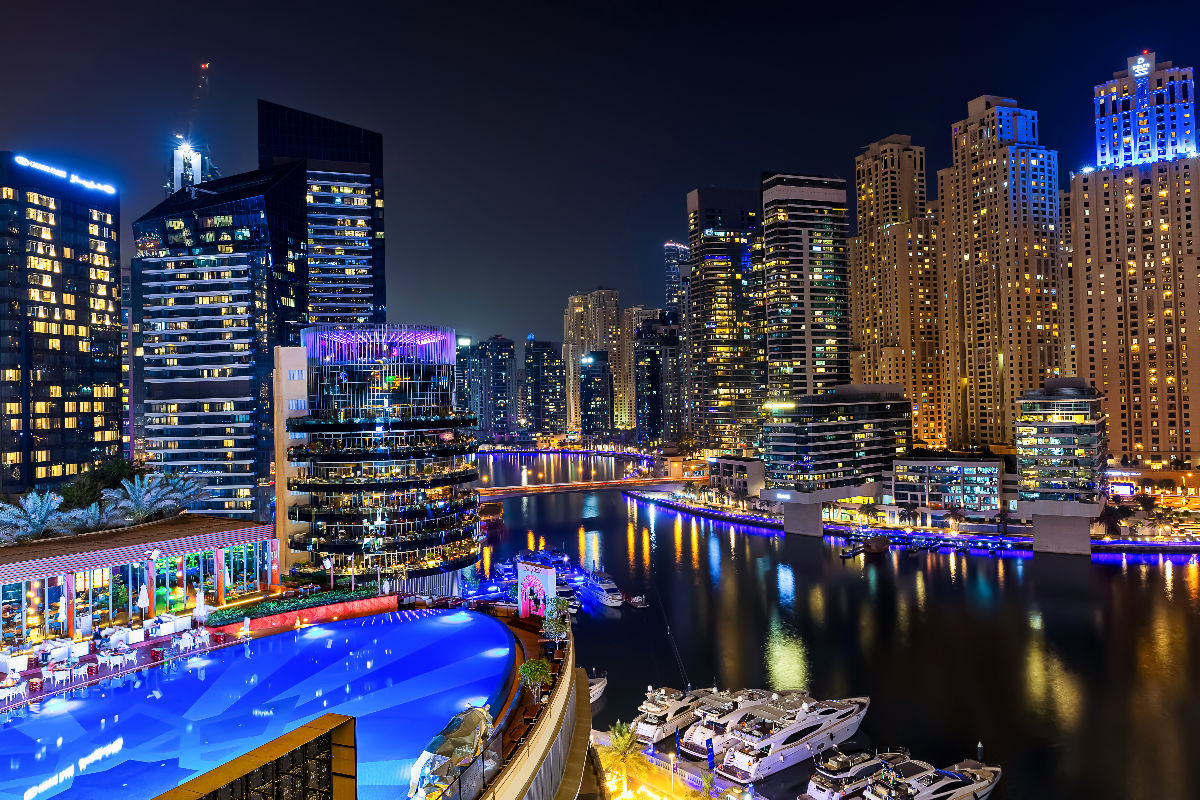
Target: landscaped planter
{"x":349,"y":608}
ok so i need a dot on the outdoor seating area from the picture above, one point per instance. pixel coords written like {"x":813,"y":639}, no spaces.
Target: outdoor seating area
{"x":54,"y":666}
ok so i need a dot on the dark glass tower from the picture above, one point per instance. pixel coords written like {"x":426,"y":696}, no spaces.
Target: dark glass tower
{"x":344,"y":169}
{"x":545,"y":390}
{"x":595,"y":394}
{"x":217,"y":284}
{"x":60,"y":326}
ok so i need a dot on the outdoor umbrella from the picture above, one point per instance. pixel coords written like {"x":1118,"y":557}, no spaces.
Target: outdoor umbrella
{"x":143,"y":600}
{"x":200,"y":612}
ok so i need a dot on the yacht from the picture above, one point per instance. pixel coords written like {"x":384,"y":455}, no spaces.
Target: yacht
{"x":565,"y":592}
{"x":714,"y":717}
{"x":839,"y":774}
{"x":665,"y":711}
{"x":596,"y":686}
{"x":601,"y":588}
{"x":966,"y":780}
{"x":786,"y":731}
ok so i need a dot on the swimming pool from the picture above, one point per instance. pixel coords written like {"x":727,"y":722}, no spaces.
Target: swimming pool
{"x":403,"y":675}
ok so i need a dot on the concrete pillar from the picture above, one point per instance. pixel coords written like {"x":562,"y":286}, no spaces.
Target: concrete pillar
{"x":151,"y":590}
{"x":68,"y":601}
{"x":802,"y":519}
{"x":219,"y":574}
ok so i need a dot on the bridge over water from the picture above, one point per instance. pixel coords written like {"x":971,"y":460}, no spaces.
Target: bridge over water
{"x":502,"y":492}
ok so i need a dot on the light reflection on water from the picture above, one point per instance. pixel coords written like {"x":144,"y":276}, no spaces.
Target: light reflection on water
{"x":1075,"y":674}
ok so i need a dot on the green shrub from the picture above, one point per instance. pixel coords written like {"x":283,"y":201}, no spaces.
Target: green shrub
{"x":229,"y":616}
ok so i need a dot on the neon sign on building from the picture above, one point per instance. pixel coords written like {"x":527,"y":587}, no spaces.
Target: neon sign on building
{"x":107,"y":188}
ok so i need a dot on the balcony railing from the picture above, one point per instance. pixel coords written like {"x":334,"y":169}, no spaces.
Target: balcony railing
{"x":324,"y":452}
{"x":345,"y":424}
{"x":342,"y":485}
{"x":414,"y":511}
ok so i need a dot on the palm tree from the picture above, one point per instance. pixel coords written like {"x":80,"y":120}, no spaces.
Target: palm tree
{"x":908,"y":514}
{"x":186,"y":490}
{"x":1003,"y":517}
{"x":708,"y":784}
{"x":868,"y":511}
{"x":34,"y":516}
{"x":1147,"y":502}
{"x":95,"y":517}
{"x":955,"y":517}
{"x":1112,"y":517}
{"x":143,"y":497}
{"x":623,"y":752}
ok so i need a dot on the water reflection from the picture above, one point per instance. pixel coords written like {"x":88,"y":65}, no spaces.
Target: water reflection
{"x":1078,"y":676}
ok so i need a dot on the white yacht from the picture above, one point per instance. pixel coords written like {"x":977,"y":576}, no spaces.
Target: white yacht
{"x":838,"y":774}
{"x":565,"y":592}
{"x":715,"y":716}
{"x":665,"y":711}
{"x":601,"y":588}
{"x":966,"y":780}
{"x":784,"y":732}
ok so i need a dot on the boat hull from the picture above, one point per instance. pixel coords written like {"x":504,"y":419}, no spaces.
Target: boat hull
{"x":742,"y":769}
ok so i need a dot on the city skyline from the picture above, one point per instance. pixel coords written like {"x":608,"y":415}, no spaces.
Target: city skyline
{"x":439,"y":132}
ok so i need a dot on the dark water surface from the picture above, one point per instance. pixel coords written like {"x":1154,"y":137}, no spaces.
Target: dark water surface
{"x":1082,"y":678}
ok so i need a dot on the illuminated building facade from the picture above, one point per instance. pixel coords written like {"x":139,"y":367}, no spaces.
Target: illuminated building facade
{"x":657,"y":397}
{"x":379,"y":465}
{"x":723,"y":362}
{"x":595,"y":395}
{"x":60,"y":324}
{"x":1145,"y":114}
{"x":344,"y":169}
{"x":1062,"y":445}
{"x":544,"y":386}
{"x":624,"y":387}
{"x":217,"y":284}
{"x":895,"y":305}
{"x":591,"y":321}
{"x":841,"y":438}
{"x":675,"y":256}
{"x":1137,"y":272}
{"x":806,"y":279}
{"x":998,"y":241}
{"x":491,"y":373}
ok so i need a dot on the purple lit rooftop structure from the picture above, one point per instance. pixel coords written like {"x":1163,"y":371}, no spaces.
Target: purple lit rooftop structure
{"x":343,"y":344}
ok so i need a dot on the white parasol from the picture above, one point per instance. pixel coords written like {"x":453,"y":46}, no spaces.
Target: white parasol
{"x":200,"y":612}
{"x":143,"y":600}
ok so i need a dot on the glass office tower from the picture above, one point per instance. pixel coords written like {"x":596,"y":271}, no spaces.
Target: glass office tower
{"x":344,"y":168}
{"x":217,"y":284}
{"x":60,"y":326}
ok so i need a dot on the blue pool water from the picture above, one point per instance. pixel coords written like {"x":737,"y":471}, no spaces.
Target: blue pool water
{"x":402,"y":675}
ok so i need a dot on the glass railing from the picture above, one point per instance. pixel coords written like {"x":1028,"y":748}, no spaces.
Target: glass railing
{"x":360,"y":483}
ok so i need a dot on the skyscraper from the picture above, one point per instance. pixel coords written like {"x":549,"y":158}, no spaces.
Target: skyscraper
{"x":675,"y":255}
{"x":1137,"y":294}
{"x":60,"y":326}
{"x":591,"y":321}
{"x":723,"y":363}
{"x":344,"y":170}
{"x":806,"y":284}
{"x":595,"y":394}
{"x":545,"y":390}
{"x":998,"y":210}
{"x":217,"y":284}
{"x":492,"y":377}
{"x":895,"y":302}
{"x":657,"y":376}
{"x":624,"y":416}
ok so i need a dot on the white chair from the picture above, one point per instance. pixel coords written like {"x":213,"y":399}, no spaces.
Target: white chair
{"x":129,"y":657}
{"x":21,"y":689}
{"x":80,"y":672}
{"x":6,"y":693}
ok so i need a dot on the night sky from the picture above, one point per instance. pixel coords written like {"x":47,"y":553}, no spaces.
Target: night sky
{"x":532,"y":151}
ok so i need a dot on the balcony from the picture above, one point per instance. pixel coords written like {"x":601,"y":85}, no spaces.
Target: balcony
{"x":381,"y":483}
{"x":339,"y":542}
{"x":314,"y":424}
{"x":350,"y":513}
{"x":324,"y":452}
